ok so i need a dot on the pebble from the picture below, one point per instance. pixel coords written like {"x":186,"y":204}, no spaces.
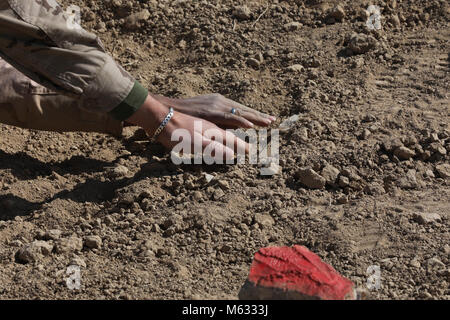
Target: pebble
{"x":34,"y":251}
{"x":264,"y":220}
{"x":310,"y":178}
{"x":218,"y":194}
{"x":404,"y":153}
{"x":242,"y":13}
{"x":271,"y":170}
{"x":443,"y":170}
{"x":53,"y":234}
{"x":289,"y":123}
{"x":208,"y":177}
{"x":77,"y":261}
{"x":394,"y":20}
{"x":409,"y":181}
{"x":223,"y":184}
{"x":361,"y":43}
{"x":292,"y":26}
{"x":330,"y":174}
{"x":296,"y":68}
{"x":252,"y":62}
{"x":435,"y":262}
{"x":337,"y":13}
{"x":119,"y":171}
{"x":133,"y":21}
{"x":343,"y":199}
{"x":197,"y":195}
{"x":66,"y":245}
{"x":343,"y":182}
{"x":226,"y":248}
{"x":93,"y":242}
{"x":426,"y":217}
{"x":415,"y":263}
{"x":429,"y":173}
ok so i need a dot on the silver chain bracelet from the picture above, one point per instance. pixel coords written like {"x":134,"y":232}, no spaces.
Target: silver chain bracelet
{"x":162,"y":126}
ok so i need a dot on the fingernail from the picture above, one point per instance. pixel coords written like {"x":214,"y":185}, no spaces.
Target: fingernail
{"x":272,"y":118}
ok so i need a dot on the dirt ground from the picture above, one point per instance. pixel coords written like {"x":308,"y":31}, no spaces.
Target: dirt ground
{"x":373,"y":126}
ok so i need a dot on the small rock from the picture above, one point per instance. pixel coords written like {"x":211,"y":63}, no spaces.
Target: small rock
{"x":208,"y":177}
{"x":365,"y":134}
{"x":374,"y":189}
{"x":34,"y":251}
{"x":252,"y":62}
{"x":330,"y":174}
{"x":429,"y":174}
{"x":446,"y":249}
{"x":443,"y":170}
{"x":415,"y":263}
{"x":119,"y":171}
{"x":292,"y":26}
{"x":361,"y":43}
{"x":409,"y":181}
{"x":226,"y":248}
{"x":426,"y":217}
{"x":311,"y":179}
{"x":77,"y":261}
{"x":435,"y":262}
{"x":363,"y":14}
{"x":242,"y":13}
{"x":182,"y":271}
{"x":218,"y":194}
{"x":270,"y":53}
{"x":67,"y":245}
{"x":223,"y":184}
{"x":197,"y":195}
{"x":53,"y":234}
{"x":93,"y":242}
{"x":394,"y":20}
{"x":404,"y":153}
{"x":182,"y":44}
{"x":343,"y":199}
{"x":343,"y":182}
{"x":391,"y":144}
{"x":289,"y":123}
{"x":264,"y":220}
{"x":134,"y":20}
{"x":296,"y":68}
{"x":338,"y":13}
{"x":271,"y":170}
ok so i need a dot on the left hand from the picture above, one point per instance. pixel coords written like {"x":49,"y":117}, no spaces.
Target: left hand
{"x":217,"y":109}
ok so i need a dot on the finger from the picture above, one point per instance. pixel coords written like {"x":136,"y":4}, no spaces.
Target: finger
{"x":241,"y":107}
{"x":255,"y":118}
{"x":229,"y":120}
{"x":239,"y":144}
{"x":217,"y":150}
{"x":227,"y":138}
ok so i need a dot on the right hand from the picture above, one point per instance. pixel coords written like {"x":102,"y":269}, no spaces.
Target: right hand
{"x":152,"y":113}
{"x":217,"y":109}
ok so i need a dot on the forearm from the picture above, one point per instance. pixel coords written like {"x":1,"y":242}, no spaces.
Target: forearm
{"x":150,"y":115}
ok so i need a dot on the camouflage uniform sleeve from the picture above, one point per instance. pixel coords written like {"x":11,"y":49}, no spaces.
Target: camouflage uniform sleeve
{"x":39,"y":39}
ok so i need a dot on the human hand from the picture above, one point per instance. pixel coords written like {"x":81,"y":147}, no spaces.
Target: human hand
{"x":217,"y":109}
{"x":202,"y":133}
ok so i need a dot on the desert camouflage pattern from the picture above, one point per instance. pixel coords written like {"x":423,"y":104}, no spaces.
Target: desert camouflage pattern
{"x":36,"y":38}
{"x":27,"y":104}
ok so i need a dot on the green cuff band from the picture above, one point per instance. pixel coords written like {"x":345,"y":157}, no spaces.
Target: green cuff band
{"x":131,"y":104}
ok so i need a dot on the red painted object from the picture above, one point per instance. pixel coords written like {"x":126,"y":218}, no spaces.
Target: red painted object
{"x":298,"y":269}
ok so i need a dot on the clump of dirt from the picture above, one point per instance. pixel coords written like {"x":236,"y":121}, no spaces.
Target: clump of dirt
{"x":365,"y":173}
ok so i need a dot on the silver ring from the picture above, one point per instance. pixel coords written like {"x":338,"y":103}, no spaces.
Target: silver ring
{"x":233,"y":111}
